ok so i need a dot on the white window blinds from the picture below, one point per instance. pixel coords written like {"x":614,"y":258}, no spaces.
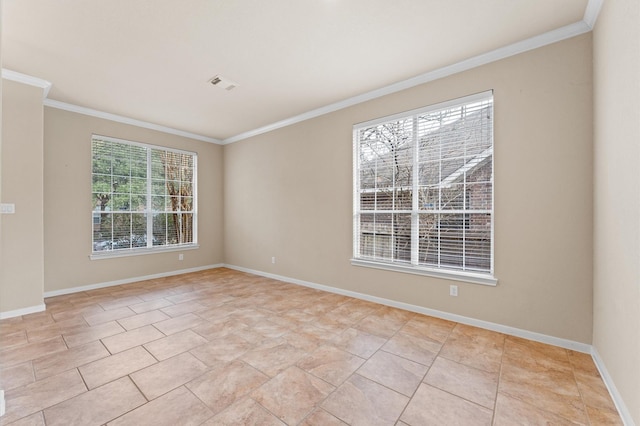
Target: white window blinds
{"x":423,"y":192}
{"x":144,"y":197}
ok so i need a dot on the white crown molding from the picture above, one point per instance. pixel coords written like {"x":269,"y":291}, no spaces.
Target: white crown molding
{"x":590,"y":16}
{"x":126,"y":120}
{"x":541,"y":40}
{"x":592,"y":11}
{"x":27,"y":79}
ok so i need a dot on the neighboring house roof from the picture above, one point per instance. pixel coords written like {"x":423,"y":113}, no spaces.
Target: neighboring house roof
{"x":472,"y":152}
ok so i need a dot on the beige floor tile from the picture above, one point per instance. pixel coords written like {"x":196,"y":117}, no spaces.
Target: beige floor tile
{"x":331,"y":364}
{"x":177,"y":324}
{"x":360,"y":401}
{"x":34,"y":397}
{"x":553,"y":390}
{"x":321,"y":418}
{"x":594,"y":392}
{"x":582,"y":363}
{"x":269,"y":329}
{"x":535,"y":356}
{"x":91,"y":334}
{"x":68,"y":359}
{"x":603,"y":416}
{"x":57,"y":329}
{"x":244,"y":412}
{"x":226,"y":384}
{"x":246,"y":335}
{"x":431,"y":406}
{"x":116,"y":366}
{"x":15,"y":338}
{"x":183,"y":297}
{"x":110,"y":315}
{"x":30,"y":351}
{"x":352,"y":311}
{"x":77,"y":311}
{"x":150,"y":305}
{"x":292,"y":394}
{"x":422,"y":350}
{"x":139,"y":336}
{"x":423,"y":326}
{"x":97,"y":406}
{"x":121,"y":302}
{"x":16,"y":376}
{"x":140,"y":320}
{"x":222,"y":350}
{"x":37,"y":319}
{"x":358,"y":342}
{"x":36,"y":419}
{"x":510,"y":411}
{"x":157,"y":294}
{"x":273,"y":357}
{"x":477,"y":386}
{"x":175,"y":344}
{"x":178,"y":407}
{"x":394,"y":372}
{"x":384,"y":322}
{"x":183,"y":308}
{"x":218,"y":328}
{"x":167,"y":375}
{"x":474,"y":347}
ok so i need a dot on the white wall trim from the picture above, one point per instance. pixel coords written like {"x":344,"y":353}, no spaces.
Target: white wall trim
{"x":27,"y":79}
{"x":541,"y":40}
{"x":23,"y":311}
{"x":592,"y":11}
{"x":613,"y":391}
{"x":512,"y":331}
{"x":127,"y":280}
{"x":126,"y":120}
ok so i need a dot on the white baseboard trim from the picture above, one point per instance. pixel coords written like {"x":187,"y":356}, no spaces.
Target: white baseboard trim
{"x":127,"y":280}
{"x":23,"y":311}
{"x":613,"y":391}
{"x":512,"y":331}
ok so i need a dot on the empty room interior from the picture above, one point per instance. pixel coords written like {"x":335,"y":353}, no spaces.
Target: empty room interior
{"x":320,"y":212}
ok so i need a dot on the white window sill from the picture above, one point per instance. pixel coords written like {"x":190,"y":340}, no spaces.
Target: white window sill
{"x":470,"y":277}
{"x":110,"y":254}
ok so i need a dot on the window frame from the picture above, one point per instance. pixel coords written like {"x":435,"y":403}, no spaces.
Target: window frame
{"x":148,"y":211}
{"x":413,"y":267}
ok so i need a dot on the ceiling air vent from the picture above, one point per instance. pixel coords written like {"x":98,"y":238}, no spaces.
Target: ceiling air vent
{"x":223,"y":82}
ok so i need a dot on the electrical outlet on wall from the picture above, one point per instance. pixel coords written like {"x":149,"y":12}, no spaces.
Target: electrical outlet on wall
{"x":181,"y":256}
{"x":273,"y":260}
{"x":453,"y":290}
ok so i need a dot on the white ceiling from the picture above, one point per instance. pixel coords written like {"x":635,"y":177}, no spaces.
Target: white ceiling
{"x":151,"y":60}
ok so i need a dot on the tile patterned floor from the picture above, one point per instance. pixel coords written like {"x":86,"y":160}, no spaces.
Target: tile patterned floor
{"x":221,"y":347}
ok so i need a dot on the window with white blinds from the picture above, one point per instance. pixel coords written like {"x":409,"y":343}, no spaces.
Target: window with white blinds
{"x":423,"y":190}
{"x":144,"y":197}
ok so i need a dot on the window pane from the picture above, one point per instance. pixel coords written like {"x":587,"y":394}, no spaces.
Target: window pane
{"x":452,"y":150}
{"x":138,"y":230}
{"x":452,"y":197}
{"x":121,"y":189}
{"x":402,"y":237}
{"x":121,"y":231}
{"x":478,"y":242}
{"x":159,"y":229}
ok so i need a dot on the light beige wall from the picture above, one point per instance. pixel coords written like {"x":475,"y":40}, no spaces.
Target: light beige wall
{"x":21,"y":275}
{"x":616,"y":334}
{"x":288,"y":193}
{"x":67,"y":203}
